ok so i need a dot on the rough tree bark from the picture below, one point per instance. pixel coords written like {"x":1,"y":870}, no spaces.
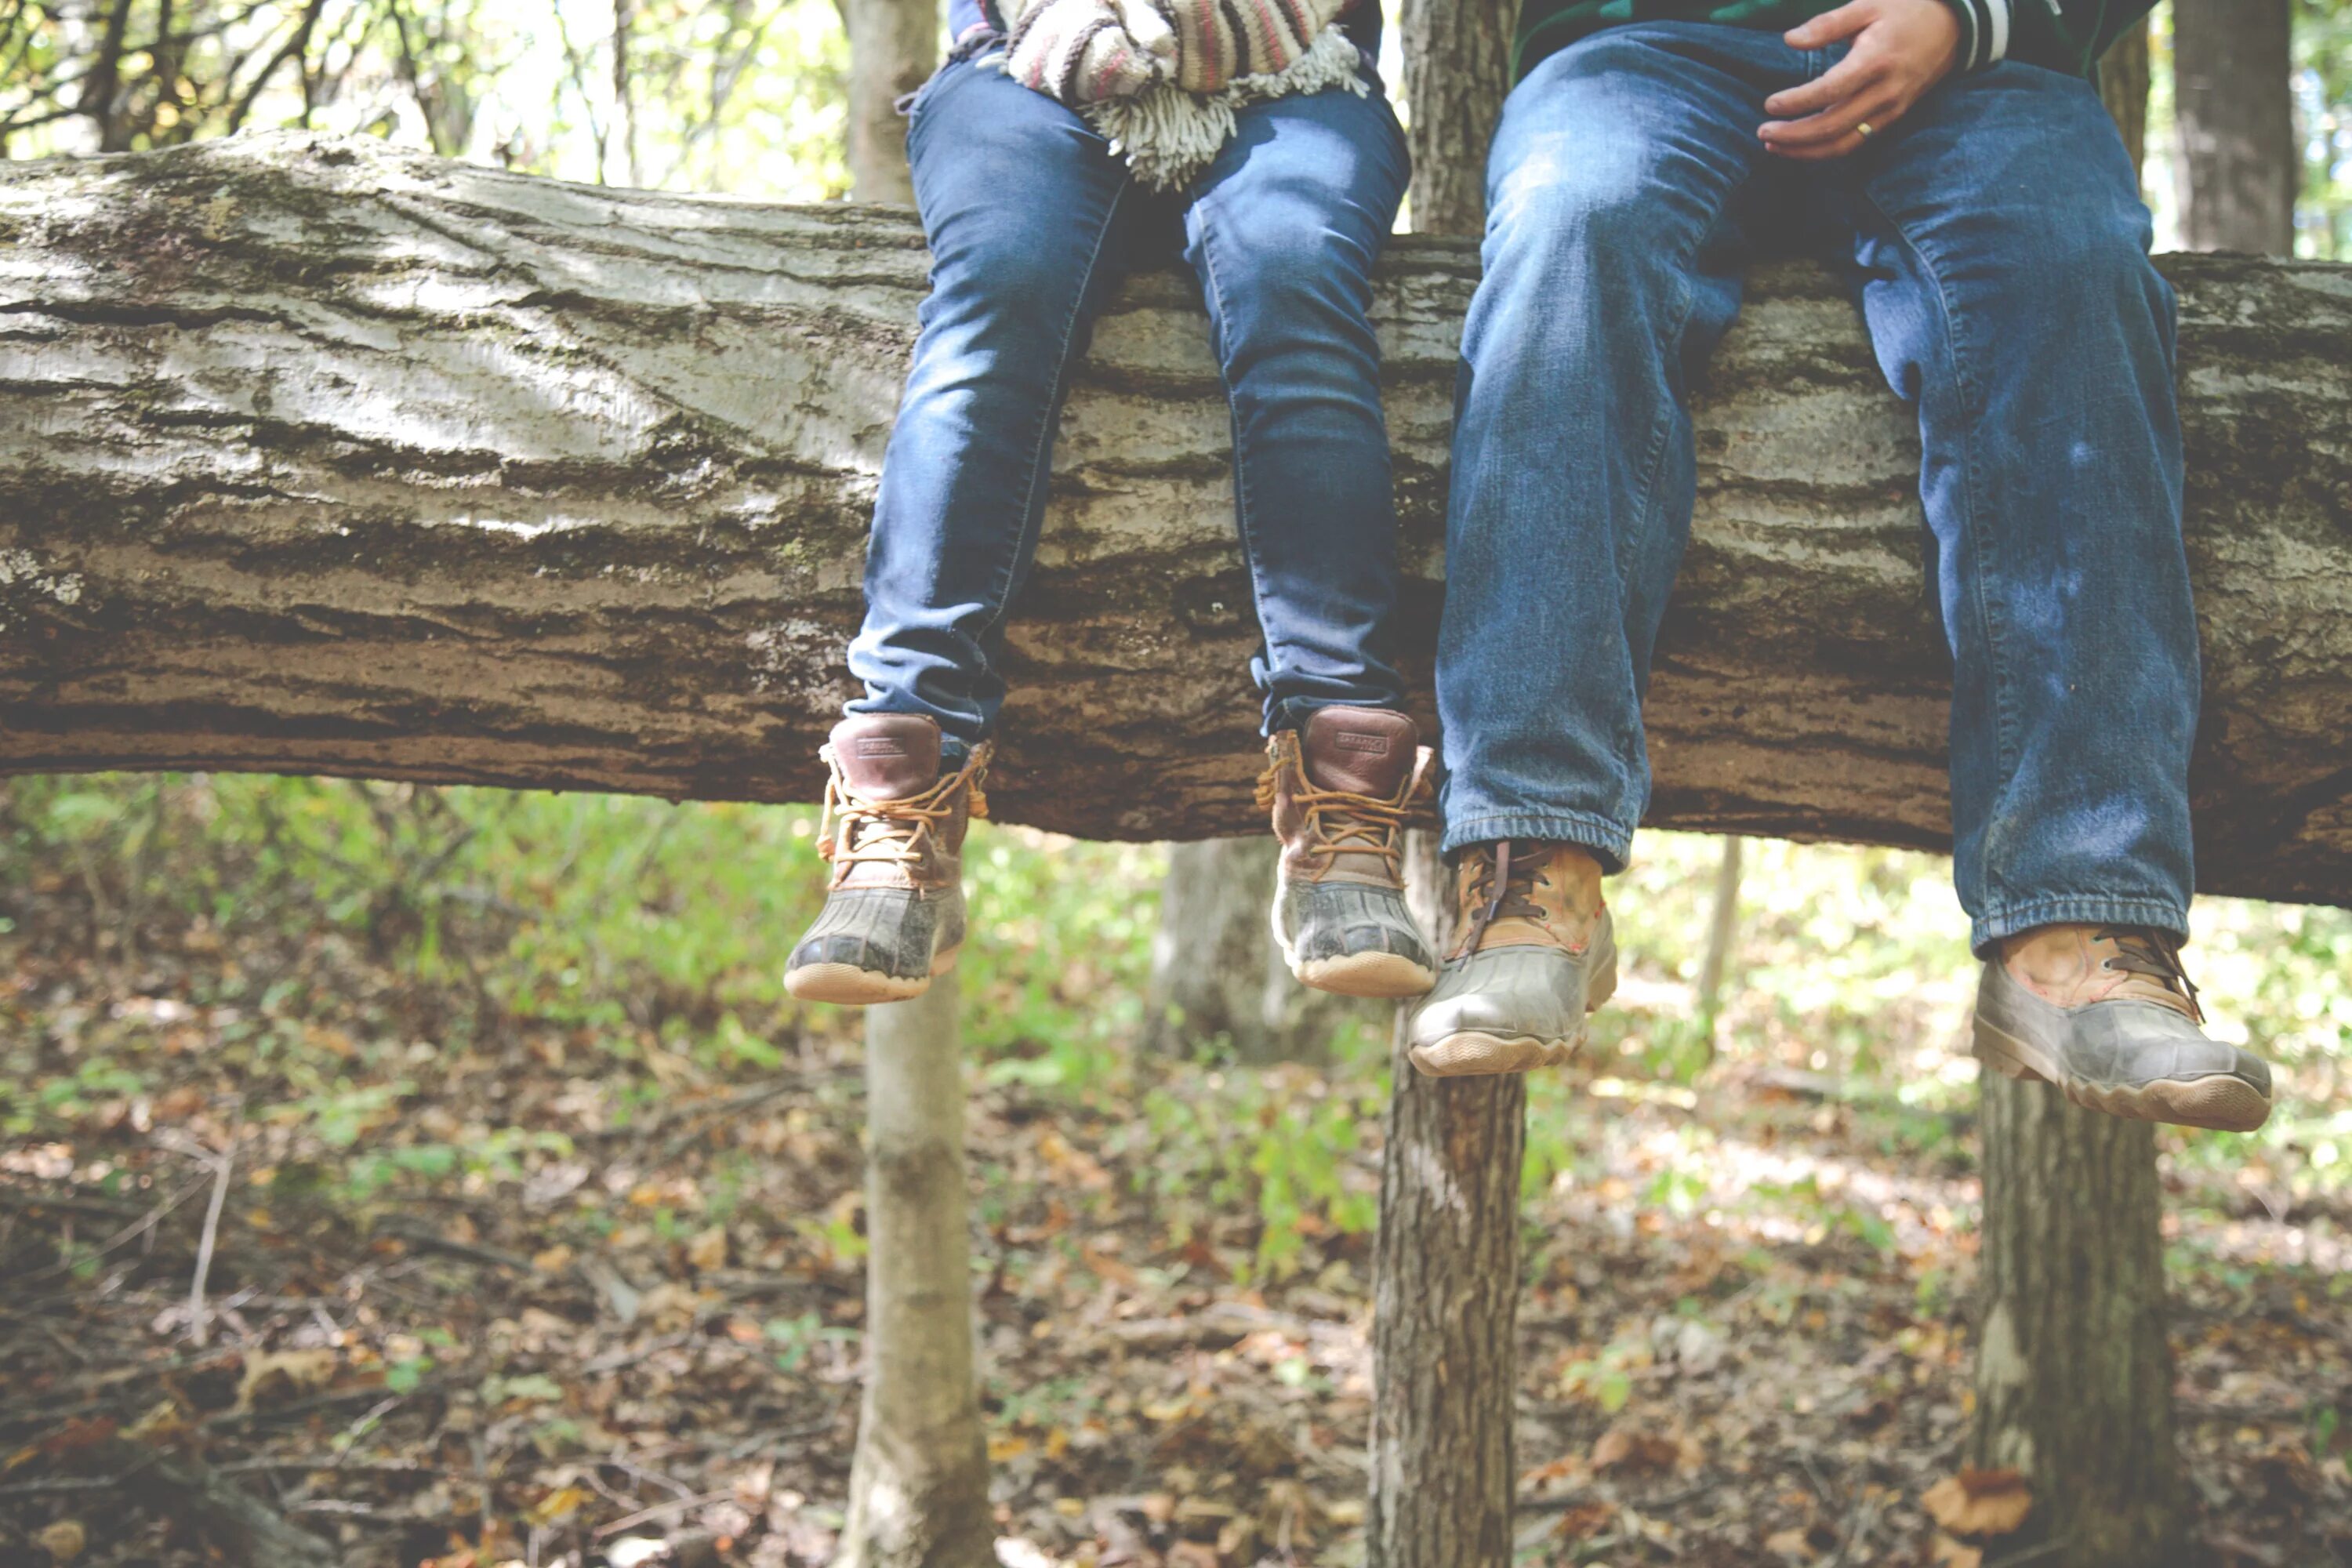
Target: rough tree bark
{"x":2239,"y":166}
{"x":918,"y":1484}
{"x":1445,"y":1298}
{"x":893,"y":47}
{"x":1446,"y":1275}
{"x":1457,"y":72}
{"x":316,"y":457}
{"x":2073,"y":1376}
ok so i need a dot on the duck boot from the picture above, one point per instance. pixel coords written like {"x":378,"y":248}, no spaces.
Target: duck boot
{"x":893,"y":828}
{"x":1339,"y":787}
{"x":1537,"y":953}
{"x":2108,"y":1014}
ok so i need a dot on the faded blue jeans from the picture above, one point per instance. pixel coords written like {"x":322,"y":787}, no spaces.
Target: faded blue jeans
{"x":1997,"y":244}
{"x":1031,"y":219}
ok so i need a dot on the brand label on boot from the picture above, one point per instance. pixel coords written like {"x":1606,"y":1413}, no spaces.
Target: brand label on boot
{"x":882,"y":746}
{"x":1356,"y":741}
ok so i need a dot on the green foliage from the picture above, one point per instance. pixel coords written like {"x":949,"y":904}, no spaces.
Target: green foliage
{"x":739,"y":96}
{"x":632,"y":942}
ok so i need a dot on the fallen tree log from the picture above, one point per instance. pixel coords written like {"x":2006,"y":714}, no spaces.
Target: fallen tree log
{"x":319,"y":456}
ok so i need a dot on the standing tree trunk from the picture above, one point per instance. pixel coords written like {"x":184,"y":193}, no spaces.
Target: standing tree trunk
{"x":2073,"y":1376}
{"x":1445,"y":1293}
{"x":2122,"y":83}
{"x":1457,"y":70}
{"x":918,"y":1485}
{"x":893,"y":46}
{"x":2238,"y":166}
{"x":1722,"y":930}
{"x":1445,"y":1285}
{"x":1215,"y":970}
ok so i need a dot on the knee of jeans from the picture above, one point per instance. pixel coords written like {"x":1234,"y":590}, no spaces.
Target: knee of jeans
{"x":1306,"y":298}
{"x":1015,"y":282}
{"x":2094,"y":254}
{"x":1564,"y":205}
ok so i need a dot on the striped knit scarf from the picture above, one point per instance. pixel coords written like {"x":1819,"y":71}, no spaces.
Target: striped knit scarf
{"x":1160,"y":79}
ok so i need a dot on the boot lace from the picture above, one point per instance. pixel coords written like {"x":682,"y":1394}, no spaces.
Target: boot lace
{"x":1502,"y":887}
{"x":853,"y":830}
{"x":1340,"y":822}
{"x":2139,"y":951}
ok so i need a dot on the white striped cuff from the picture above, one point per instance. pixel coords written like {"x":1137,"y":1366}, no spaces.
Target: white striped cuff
{"x":1984,"y":32}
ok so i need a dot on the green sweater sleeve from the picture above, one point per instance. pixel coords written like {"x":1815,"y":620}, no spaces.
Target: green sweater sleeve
{"x":2059,"y":34}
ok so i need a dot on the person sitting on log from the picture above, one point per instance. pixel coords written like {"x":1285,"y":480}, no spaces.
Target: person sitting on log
{"x":1954,"y":159}
{"x":1064,"y":142}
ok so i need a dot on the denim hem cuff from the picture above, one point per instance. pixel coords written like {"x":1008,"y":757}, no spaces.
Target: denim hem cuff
{"x":1602,"y":839}
{"x":2076,"y":909}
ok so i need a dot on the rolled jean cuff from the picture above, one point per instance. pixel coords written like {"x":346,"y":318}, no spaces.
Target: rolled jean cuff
{"x":2075,"y":908}
{"x":1597,"y":836}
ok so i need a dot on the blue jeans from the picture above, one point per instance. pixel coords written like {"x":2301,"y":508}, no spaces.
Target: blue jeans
{"x":1031,"y":219}
{"x":1997,"y":244}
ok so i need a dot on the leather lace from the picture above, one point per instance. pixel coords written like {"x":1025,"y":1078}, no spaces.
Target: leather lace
{"x":1340,"y":822}
{"x":1504,"y":888}
{"x":853,"y":830}
{"x":2141,"y":951}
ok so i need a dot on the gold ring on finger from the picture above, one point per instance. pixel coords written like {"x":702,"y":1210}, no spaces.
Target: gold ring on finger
{"x":1866,"y":130}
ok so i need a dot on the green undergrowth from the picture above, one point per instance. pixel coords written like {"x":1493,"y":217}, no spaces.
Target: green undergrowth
{"x":337,"y":940}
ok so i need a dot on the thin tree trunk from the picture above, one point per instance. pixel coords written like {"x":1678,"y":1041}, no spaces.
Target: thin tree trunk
{"x":1457,"y":70}
{"x":2239,"y":166}
{"x":893,"y":46}
{"x":2123,"y":84}
{"x":1722,"y":929}
{"x":918,"y":1482}
{"x":624,"y":97}
{"x":2073,"y":1377}
{"x":1445,"y":1289}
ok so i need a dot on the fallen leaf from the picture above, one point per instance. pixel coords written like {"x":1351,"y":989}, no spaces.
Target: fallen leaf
{"x":64,"y":1540}
{"x":1980,"y":1503}
{"x":279,"y":1377}
{"x":1789,"y":1544}
{"x":708,"y":1250}
{"x":1620,"y":1449}
{"x":1950,"y":1553}
{"x":560,"y":1504}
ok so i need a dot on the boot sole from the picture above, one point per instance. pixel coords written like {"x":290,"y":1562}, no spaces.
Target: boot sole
{"x":847,"y":985}
{"x":1387,"y":976}
{"x":1473,"y":1053}
{"x":1382,"y":976}
{"x":2216,"y":1103}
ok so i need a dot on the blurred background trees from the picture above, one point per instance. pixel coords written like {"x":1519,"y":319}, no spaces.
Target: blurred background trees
{"x":2250,"y":107}
{"x":454,"y":1002}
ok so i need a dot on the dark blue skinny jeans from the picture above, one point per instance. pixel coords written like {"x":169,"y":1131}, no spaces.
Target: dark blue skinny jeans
{"x":1031,"y":219}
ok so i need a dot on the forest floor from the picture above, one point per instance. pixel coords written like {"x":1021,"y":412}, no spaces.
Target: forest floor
{"x":506,"y":1301}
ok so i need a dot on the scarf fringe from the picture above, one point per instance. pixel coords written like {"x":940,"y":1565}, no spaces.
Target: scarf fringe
{"x":1169,"y":136}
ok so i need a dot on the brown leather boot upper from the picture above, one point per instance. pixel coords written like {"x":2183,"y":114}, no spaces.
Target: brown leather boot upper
{"x":890,"y":819}
{"x":2075,"y":965}
{"x":1526,"y":892}
{"x":1341,"y":787}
